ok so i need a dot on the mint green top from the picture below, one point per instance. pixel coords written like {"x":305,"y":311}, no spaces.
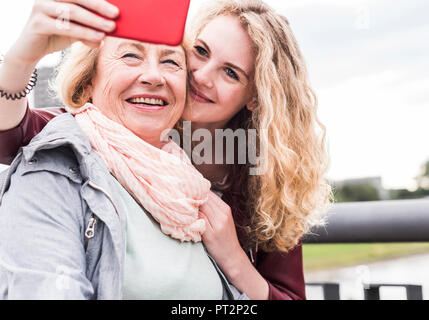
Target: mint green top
{"x":160,"y":267}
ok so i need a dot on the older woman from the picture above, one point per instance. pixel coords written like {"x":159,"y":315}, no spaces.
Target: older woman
{"x":110,"y":211}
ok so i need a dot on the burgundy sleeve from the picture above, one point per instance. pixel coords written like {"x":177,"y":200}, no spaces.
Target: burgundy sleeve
{"x":284,"y":273}
{"x":32,"y":123}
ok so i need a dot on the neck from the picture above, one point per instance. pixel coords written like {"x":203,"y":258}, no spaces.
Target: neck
{"x":154,"y":141}
{"x":211,"y":126}
{"x":212,"y":171}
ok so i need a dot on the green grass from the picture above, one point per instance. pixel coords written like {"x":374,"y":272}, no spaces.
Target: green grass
{"x":323,"y":256}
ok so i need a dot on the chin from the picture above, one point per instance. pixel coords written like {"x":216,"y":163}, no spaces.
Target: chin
{"x":196,"y":113}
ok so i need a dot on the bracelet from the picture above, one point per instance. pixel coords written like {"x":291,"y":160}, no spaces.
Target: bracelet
{"x":23,"y":93}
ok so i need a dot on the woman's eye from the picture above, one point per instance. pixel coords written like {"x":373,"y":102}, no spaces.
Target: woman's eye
{"x":201,"y":51}
{"x":171,"y":62}
{"x":131,"y":55}
{"x":232,"y":74}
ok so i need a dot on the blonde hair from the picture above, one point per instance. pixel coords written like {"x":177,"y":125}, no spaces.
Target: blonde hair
{"x":75,"y":74}
{"x":291,"y":196}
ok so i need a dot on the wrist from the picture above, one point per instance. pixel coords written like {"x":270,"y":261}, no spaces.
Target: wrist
{"x":11,"y":61}
{"x":244,"y":276}
{"x":235,"y":265}
{"x":15,"y":76}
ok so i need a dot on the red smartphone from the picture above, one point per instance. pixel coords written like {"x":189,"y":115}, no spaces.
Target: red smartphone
{"x":154,"y":21}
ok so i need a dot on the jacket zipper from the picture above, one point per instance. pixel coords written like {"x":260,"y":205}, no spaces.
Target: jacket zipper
{"x":106,"y":194}
{"x":90,"y":229}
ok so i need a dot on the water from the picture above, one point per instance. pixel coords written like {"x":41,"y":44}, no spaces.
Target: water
{"x":407,"y":270}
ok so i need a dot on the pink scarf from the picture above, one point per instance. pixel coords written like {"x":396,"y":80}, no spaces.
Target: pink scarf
{"x":163,"y":181}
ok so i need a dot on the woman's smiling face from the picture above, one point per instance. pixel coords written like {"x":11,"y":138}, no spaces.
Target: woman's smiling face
{"x":141,"y":86}
{"x":221,"y":68}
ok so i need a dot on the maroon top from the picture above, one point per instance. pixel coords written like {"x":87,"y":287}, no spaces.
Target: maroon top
{"x":283,"y":271}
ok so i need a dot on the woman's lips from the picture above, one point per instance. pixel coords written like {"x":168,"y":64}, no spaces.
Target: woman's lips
{"x":198,"y":96}
{"x":146,"y":108}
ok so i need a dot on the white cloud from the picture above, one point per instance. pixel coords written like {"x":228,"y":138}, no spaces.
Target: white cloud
{"x":13,"y":16}
{"x":282,"y":5}
{"x":374,"y":130}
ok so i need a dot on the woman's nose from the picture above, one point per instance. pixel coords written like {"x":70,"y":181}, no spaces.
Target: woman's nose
{"x":202,"y":75}
{"x":152,"y":75}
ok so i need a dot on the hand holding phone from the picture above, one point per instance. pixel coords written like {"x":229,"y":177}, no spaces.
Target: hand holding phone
{"x":155,"y":21}
{"x":54,"y":25}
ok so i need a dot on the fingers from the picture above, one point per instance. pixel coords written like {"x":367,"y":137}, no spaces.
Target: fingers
{"x":209,"y":226}
{"x":216,"y":212}
{"x":74,"y":31}
{"x":101,"y":7}
{"x":217,"y":204}
{"x":66,"y":13}
{"x":208,"y":234}
{"x":208,"y":209}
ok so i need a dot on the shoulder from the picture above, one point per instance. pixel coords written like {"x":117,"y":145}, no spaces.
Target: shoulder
{"x":47,"y":114}
{"x":48,"y":171}
{"x":60,"y":160}
{"x":36,"y":119}
{"x":60,"y":147}
{"x":45,"y":169}
{"x":40,"y":193}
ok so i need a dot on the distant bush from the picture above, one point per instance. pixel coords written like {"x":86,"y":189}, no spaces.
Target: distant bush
{"x":356,"y":192}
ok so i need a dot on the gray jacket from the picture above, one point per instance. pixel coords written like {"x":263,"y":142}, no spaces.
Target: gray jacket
{"x":62,"y":228}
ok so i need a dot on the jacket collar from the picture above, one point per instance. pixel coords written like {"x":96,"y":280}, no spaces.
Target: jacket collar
{"x":62,"y":130}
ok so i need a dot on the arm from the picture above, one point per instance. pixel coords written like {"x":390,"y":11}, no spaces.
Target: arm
{"x":221,"y":241}
{"x":41,"y":239}
{"x":14,"y":77}
{"x":275,"y":276}
{"x":43,"y":35}
{"x":32,"y":123}
{"x":284,"y":273}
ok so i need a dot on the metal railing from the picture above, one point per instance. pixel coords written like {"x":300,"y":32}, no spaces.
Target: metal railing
{"x":373,"y":222}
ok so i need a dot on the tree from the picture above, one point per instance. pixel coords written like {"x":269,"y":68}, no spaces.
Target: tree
{"x":356,"y":192}
{"x":423,"y":178}
{"x":422,"y":190}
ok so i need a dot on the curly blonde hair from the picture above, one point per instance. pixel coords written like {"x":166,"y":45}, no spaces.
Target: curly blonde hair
{"x":74,"y":75}
{"x":292,"y":195}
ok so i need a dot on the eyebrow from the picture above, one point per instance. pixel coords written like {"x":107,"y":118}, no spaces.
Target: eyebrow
{"x":137,"y":45}
{"x":140,"y":47}
{"x":229,"y":64}
{"x":167,"y":52}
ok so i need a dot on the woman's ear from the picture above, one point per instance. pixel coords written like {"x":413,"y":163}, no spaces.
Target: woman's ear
{"x":252,"y":104}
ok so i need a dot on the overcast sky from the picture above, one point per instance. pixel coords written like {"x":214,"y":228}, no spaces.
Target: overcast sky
{"x":369,"y":65}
